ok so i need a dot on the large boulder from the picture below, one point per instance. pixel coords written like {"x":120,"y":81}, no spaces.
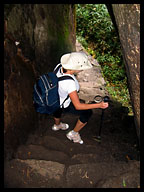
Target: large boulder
{"x":45,"y":31}
{"x":19,"y":114}
{"x":35,"y":37}
{"x":126,"y":17}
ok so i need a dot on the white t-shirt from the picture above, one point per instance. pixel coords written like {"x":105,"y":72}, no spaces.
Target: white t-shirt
{"x":65,"y":87}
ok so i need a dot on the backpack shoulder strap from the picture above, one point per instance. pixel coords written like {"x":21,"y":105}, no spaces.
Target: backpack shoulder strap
{"x":64,"y":78}
{"x":57,"y":68}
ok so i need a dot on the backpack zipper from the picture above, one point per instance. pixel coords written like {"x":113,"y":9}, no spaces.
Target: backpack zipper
{"x":46,"y":89}
{"x":38,"y":94}
{"x":47,"y":82}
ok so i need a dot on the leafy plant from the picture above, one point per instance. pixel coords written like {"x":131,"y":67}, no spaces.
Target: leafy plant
{"x":95,"y":31}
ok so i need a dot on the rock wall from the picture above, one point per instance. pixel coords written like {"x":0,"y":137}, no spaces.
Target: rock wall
{"x":127,"y":19}
{"x":91,"y":81}
{"x":19,"y":114}
{"x":44,"y":32}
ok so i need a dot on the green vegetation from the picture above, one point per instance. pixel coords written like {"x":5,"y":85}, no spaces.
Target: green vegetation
{"x":95,"y":31}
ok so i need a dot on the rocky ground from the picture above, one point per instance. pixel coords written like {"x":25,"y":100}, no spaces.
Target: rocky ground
{"x":49,"y":160}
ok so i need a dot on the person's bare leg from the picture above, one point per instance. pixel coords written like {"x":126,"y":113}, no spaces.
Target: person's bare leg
{"x":57,"y":121}
{"x":74,"y":134}
{"x":79,"y":125}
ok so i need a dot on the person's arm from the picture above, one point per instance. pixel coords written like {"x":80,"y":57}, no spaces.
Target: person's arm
{"x":83,"y":106}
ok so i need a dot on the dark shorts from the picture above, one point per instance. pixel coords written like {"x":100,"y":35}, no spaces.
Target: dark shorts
{"x":84,"y":115}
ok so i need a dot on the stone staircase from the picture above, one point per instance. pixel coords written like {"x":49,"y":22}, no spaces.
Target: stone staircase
{"x":50,"y":160}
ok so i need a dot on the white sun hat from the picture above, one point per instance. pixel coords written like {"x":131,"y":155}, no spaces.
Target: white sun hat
{"x":75,"y":61}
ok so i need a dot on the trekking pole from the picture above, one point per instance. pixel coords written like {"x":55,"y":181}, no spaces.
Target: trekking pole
{"x":97,"y":99}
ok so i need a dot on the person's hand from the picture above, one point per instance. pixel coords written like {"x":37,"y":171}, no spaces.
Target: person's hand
{"x":103,"y":105}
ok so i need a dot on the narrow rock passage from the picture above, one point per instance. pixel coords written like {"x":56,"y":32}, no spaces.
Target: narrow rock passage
{"x":49,"y":160}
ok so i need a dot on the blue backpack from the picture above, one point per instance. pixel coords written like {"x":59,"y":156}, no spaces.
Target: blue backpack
{"x":45,"y":95}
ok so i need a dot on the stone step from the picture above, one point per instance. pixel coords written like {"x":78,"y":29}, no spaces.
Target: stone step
{"x":31,"y":173}
{"x":92,"y":158}
{"x":40,"y":153}
{"x":102,"y":175}
{"x":62,"y":144}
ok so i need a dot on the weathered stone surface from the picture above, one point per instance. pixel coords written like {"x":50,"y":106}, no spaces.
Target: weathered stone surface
{"x":64,"y":145}
{"x":53,"y":143}
{"x":51,"y":169}
{"x":102,"y":175}
{"x":128,"y":179}
{"x":92,"y":157}
{"x":91,"y":81}
{"x":19,"y":113}
{"x":87,"y":175}
{"x":42,"y":32}
{"x":45,"y":31}
{"x":33,"y":174}
{"x":127,"y":17}
{"x":40,"y":153}
{"x":102,"y":161}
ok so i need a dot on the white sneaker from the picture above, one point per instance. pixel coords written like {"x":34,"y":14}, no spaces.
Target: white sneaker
{"x":62,"y":126}
{"x":74,"y":136}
